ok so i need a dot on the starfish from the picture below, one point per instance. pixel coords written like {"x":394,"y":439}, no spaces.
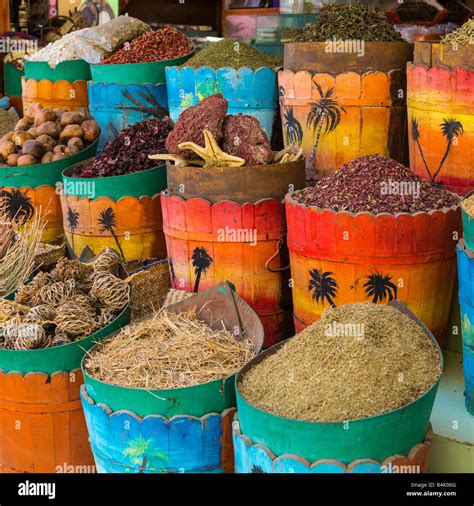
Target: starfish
{"x":178,"y":160}
{"x":211,"y":153}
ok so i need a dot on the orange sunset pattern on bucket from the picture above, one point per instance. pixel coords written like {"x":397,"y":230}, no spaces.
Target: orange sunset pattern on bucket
{"x":441,"y":125}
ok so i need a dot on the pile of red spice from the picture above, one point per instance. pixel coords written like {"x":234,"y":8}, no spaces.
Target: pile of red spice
{"x":128,"y":153}
{"x":164,"y":44}
{"x":378,"y":185}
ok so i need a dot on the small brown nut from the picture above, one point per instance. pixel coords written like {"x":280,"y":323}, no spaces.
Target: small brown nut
{"x":71,"y":151}
{"x":33,"y":109}
{"x":33,"y":148}
{"x":47,"y":157}
{"x":71,"y":118}
{"x":32,"y":131}
{"x":44,"y":116}
{"x":76,"y":142}
{"x":49,"y":128}
{"x":71,"y":131}
{"x":8,"y":136}
{"x":91,"y":130}
{"x":47,"y":141}
{"x":24,"y":123}
{"x":12,"y":160}
{"x":26,"y":160}
{"x":7,"y":148}
{"x":20,"y":137}
{"x":58,"y":156}
{"x":59,"y":148}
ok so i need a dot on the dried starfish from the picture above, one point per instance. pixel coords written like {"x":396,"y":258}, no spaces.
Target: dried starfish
{"x":178,"y":160}
{"x":212,"y":154}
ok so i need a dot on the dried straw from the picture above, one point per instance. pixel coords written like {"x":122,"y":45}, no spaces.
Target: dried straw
{"x":321,"y":375}
{"x":18,"y":247}
{"x":168,"y":351}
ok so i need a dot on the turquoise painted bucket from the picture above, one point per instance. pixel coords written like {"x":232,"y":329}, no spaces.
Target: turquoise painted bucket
{"x":252,"y":92}
{"x":336,"y":446}
{"x":468,"y":225}
{"x":115,"y":105}
{"x":71,"y":70}
{"x":180,"y":430}
{"x":466,"y":300}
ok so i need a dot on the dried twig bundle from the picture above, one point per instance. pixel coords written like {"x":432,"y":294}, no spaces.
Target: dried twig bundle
{"x":107,"y":261}
{"x":72,"y":318}
{"x":56,"y":293}
{"x":31,"y":336}
{"x":112,"y":292}
{"x":168,"y":351}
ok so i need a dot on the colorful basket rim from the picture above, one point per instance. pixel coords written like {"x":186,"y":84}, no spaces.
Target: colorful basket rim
{"x":273,"y":349}
{"x":289,"y":199}
{"x":167,"y":194}
{"x":233,"y":69}
{"x":68,"y":70}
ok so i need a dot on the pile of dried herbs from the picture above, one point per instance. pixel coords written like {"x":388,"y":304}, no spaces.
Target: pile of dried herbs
{"x":376,"y":184}
{"x":468,"y":205}
{"x":128,"y":153}
{"x":350,"y":22}
{"x":358,"y":360}
{"x":463,"y":36}
{"x":416,"y":11}
{"x":230,"y":53}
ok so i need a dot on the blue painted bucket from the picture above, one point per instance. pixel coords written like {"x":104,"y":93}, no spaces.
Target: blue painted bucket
{"x":116,"y":106}
{"x":248,"y":91}
{"x":466,"y":300}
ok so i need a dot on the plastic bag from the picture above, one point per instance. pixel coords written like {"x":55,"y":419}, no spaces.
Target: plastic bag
{"x":112,"y":35}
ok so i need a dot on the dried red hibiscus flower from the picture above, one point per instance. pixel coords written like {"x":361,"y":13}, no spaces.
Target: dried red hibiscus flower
{"x":376,"y":184}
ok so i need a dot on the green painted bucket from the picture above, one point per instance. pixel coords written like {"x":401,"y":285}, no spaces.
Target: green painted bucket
{"x":66,"y":357}
{"x":138,"y":73}
{"x":376,"y":437}
{"x":71,"y":70}
{"x":468,"y":225}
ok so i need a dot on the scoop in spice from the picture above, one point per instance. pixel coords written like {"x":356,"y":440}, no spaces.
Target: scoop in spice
{"x":376,"y":184}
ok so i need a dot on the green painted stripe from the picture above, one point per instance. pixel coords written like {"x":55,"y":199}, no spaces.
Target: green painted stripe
{"x":147,"y":182}
{"x":198,"y":400}
{"x":12,"y":80}
{"x":59,"y":358}
{"x":72,"y":70}
{"x":137,"y":73}
{"x":44,"y":174}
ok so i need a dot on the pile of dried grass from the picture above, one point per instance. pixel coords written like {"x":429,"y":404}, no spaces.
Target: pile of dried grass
{"x":18,"y":246}
{"x":468,"y":205}
{"x":168,"y":351}
{"x":324,"y":374}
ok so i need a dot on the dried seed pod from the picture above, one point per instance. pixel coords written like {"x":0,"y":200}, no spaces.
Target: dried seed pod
{"x":60,"y":339}
{"x":71,"y":269}
{"x":9,"y":309}
{"x":74,"y":319}
{"x":112,"y":292}
{"x":31,"y":336}
{"x":43,"y":312}
{"x":107,"y":261}
{"x":106,"y":316}
{"x":56,"y":293}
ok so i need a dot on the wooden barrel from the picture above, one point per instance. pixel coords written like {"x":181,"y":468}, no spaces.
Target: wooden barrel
{"x":34,"y":188}
{"x":252,"y":92}
{"x":264,"y":442}
{"x":338,"y":258}
{"x":441,"y":115}
{"x":120,"y":212}
{"x":116,"y":102}
{"x":62,"y":87}
{"x":181,"y":430}
{"x":341,"y":105}
{"x":42,"y":425}
{"x":216,"y":230}
{"x":466,"y":300}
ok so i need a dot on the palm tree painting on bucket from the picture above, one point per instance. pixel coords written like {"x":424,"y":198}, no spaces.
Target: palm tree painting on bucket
{"x":323,"y":286}
{"x":18,"y":205}
{"x":201,"y":261}
{"x":108,"y":222}
{"x":73,"y":221}
{"x":380,"y":287}
{"x":142,"y":453}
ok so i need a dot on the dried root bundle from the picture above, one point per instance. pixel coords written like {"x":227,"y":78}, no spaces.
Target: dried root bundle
{"x":112,"y":292}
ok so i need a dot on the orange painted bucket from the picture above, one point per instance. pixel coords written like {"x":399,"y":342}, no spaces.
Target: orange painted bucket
{"x":339,"y":258}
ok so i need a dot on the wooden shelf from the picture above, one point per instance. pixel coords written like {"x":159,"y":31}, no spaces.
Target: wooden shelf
{"x":268,"y":10}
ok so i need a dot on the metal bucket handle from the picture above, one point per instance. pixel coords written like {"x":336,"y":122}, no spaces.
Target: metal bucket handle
{"x":277,"y":252}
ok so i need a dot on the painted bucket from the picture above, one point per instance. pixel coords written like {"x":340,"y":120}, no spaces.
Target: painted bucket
{"x":120,"y":212}
{"x":63,"y":87}
{"x":115,"y":102}
{"x":339,"y":258}
{"x":252,"y":92}
{"x":466,"y":300}
{"x":32,"y":188}
{"x":264,"y":442}
{"x":441,"y":115}
{"x":229,"y":223}
{"x":42,"y":425}
{"x":12,"y":85}
{"x":183,"y":430}
{"x":339,"y":106}
{"x":468,"y":225}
